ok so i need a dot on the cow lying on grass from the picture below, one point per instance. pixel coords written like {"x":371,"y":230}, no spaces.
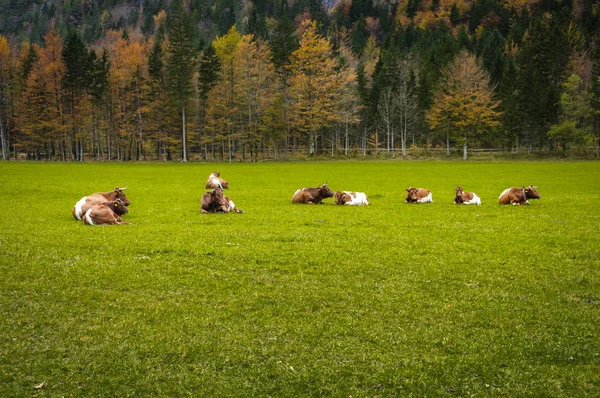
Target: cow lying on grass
{"x":466,"y":198}
{"x":518,"y":196}
{"x":312,"y":195}
{"x":418,"y":195}
{"x":105,"y":213}
{"x":214,"y":181}
{"x":350,"y":198}
{"x":87,"y":202}
{"x":216,"y":202}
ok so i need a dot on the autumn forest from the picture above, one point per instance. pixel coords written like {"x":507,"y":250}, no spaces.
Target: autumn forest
{"x":241,"y":80}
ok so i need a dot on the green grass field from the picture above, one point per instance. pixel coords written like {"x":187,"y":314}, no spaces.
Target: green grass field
{"x":297,"y":300}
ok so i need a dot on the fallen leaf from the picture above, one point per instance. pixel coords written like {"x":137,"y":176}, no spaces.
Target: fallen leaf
{"x":40,"y":386}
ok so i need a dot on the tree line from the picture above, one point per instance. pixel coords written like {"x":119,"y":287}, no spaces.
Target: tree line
{"x":350,"y":78}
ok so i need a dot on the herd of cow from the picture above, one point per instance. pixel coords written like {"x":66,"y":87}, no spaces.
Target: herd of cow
{"x":108,"y":207}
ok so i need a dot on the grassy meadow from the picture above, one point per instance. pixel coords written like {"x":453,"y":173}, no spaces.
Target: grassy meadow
{"x":298,"y":300}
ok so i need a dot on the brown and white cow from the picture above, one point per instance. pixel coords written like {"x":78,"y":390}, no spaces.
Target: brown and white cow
{"x":105,"y":213}
{"x":84,"y":204}
{"x":350,"y":198}
{"x":214,"y":181}
{"x":418,"y":195}
{"x":312,"y":195}
{"x":466,"y":198}
{"x":216,"y":202}
{"x":518,"y":196}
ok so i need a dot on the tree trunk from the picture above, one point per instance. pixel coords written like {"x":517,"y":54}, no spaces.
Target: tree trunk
{"x":184,"y":138}
{"x":447,"y":143}
{"x":140,"y":154}
{"x":346,"y":144}
{"x":465,"y":148}
{"x":4,"y":140}
{"x":403,"y":136}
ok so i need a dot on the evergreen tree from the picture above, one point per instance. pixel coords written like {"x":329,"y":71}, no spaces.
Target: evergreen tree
{"x":6,"y":81}
{"x":75,"y":83}
{"x":543,"y":56}
{"x":256,"y":24}
{"x":575,"y":112}
{"x":181,"y":63}
{"x":208,"y":74}
{"x":594,"y":94}
{"x":283,"y":42}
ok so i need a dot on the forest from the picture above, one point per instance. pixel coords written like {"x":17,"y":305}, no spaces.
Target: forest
{"x":245,"y":81}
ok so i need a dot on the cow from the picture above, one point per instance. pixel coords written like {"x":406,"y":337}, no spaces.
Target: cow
{"x":84,"y":204}
{"x":518,"y":196}
{"x":350,"y":198}
{"x":466,"y":198}
{"x":216,"y":202}
{"x":214,"y":181}
{"x":418,"y":195}
{"x":213,"y":202}
{"x":312,"y":195}
{"x":105,"y":213}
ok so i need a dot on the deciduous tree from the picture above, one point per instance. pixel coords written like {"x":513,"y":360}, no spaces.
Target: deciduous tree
{"x":316,"y":83}
{"x":574,"y":120}
{"x":464,"y":103}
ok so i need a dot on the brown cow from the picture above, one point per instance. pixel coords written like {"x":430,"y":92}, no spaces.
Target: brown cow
{"x":312,"y":195}
{"x":518,"y":196}
{"x":418,"y":195}
{"x":214,"y":181}
{"x":466,"y":198}
{"x":216,"y":202}
{"x":105,"y":213}
{"x":213,"y":202}
{"x":350,"y":198}
{"x":86,"y":202}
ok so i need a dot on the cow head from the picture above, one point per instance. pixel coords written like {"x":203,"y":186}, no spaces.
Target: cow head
{"x":325,"y":191}
{"x":340,"y":198}
{"x":531,"y":193}
{"x":118,"y":206}
{"x":218,"y":198}
{"x":121,"y":195}
{"x":214,"y":174}
{"x":459,"y":195}
{"x":411,"y":195}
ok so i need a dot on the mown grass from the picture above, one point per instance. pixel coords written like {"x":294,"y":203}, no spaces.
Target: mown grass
{"x":291,"y":300}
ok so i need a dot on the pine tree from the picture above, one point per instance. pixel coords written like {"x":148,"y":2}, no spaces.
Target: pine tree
{"x":6,"y":81}
{"x":594,"y":94}
{"x":181,"y":63}
{"x":575,"y":112}
{"x":75,"y":83}
{"x":543,"y":56}
{"x":208,"y":75}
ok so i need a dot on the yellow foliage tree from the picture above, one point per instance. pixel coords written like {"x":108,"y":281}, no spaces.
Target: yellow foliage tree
{"x":317,"y":85}
{"x":127,"y":82}
{"x":464,"y":104}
